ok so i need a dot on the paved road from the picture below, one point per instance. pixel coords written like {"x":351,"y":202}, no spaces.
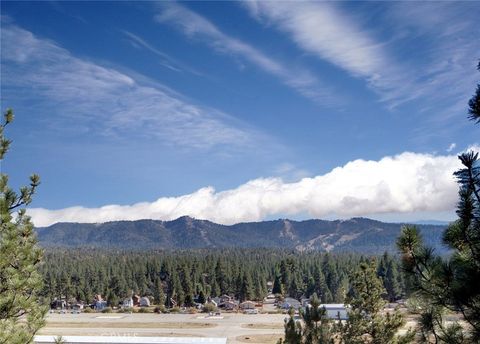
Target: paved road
{"x":259,"y":328}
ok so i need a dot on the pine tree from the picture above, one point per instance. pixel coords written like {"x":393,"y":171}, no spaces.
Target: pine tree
{"x":450,"y":283}
{"x":474,"y":104}
{"x":366,"y":323}
{"x":391,"y":282}
{"x":158,"y":293}
{"x":201,"y":297}
{"x":246,"y":292}
{"x":21,"y":312}
{"x":315,"y":329}
{"x":277,"y":286}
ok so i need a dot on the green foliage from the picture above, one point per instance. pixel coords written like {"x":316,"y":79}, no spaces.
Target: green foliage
{"x":59,"y":340}
{"x":107,"y":310}
{"x":474,"y":104}
{"x":21,"y":312}
{"x":453,"y":283}
{"x":366,"y":322}
{"x":450,"y":283}
{"x":182,"y":276}
{"x":277,"y":286}
{"x":209,"y":307}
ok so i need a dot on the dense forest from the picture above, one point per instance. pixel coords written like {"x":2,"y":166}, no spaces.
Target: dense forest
{"x":189,"y":275}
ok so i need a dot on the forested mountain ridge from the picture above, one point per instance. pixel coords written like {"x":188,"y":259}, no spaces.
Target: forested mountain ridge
{"x":355,"y":235}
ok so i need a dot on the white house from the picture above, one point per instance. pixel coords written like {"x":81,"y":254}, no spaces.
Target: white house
{"x":335,"y":310}
{"x":128,"y":303}
{"x":144,"y":302}
{"x":290,"y":303}
{"x":247,"y":305}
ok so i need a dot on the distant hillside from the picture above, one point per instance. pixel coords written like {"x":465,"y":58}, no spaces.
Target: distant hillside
{"x":354,"y":235}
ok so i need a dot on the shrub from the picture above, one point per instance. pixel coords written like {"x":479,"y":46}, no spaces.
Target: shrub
{"x":107,"y":310}
{"x":159,"y":309}
{"x":209,"y":307}
{"x":144,"y":310}
{"x":126,"y":310}
{"x":88,"y":310}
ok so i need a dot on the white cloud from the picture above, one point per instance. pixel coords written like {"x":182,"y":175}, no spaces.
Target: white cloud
{"x":405,"y":183}
{"x":165,"y":60}
{"x":194,"y":25}
{"x":446,"y":75}
{"x":320,"y":28}
{"x":451,"y":147}
{"x":83,"y":96}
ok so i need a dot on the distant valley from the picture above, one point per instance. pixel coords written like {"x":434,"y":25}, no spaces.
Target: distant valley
{"x":360,"y":235}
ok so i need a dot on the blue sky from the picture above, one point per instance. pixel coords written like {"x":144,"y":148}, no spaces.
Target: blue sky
{"x":239,"y":111}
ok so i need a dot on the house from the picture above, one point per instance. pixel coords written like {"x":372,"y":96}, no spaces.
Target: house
{"x":144,"y":302}
{"x":229,"y":305}
{"x":136,"y":300}
{"x":58,"y":304}
{"x":77,"y":308}
{"x":247,"y":305}
{"x":128,"y":303}
{"x":225,"y":298}
{"x":305,"y":301}
{"x":269,"y":286}
{"x":214,"y":301}
{"x":100,"y":305}
{"x":290,"y":303}
{"x":336,"y":310}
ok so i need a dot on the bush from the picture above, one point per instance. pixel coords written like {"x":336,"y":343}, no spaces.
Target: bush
{"x":126,"y":310}
{"x":175,"y":310}
{"x":107,"y":310}
{"x":144,"y":310}
{"x":209,"y":307}
{"x":159,"y":309}
{"x":88,"y":310}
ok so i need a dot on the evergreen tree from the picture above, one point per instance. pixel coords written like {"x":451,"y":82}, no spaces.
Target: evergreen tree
{"x":366,"y":323}
{"x":451,"y":283}
{"x":293,"y":331}
{"x":201,"y":297}
{"x":277,"y":285}
{"x":158,"y":293}
{"x":474,"y":104}
{"x":315,"y":329}
{"x":391,"y":282}
{"x":20,"y":282}
{"x":246,"y":292}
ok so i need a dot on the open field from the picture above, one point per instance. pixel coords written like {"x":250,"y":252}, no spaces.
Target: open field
{"x":237,"y":328}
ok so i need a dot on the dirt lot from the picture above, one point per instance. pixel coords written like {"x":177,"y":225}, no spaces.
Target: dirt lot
{"x":237,"y":328}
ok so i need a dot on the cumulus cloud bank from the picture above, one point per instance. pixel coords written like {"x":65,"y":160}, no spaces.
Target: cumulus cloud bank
{"x":405,"y":183}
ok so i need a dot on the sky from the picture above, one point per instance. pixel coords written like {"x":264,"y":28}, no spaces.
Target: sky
{"x":239,"y":111}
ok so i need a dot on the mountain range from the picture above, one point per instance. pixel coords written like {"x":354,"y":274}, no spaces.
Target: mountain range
{"x":360,"y":235}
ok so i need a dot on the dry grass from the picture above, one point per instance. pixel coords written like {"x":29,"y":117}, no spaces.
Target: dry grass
{"x":180,"y":325}
{"x":259,"y":338}
{"x":112,"y":332}
{"x":264,"y":326}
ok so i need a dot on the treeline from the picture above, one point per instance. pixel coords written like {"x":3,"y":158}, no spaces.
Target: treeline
{"x":182,"y":277}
